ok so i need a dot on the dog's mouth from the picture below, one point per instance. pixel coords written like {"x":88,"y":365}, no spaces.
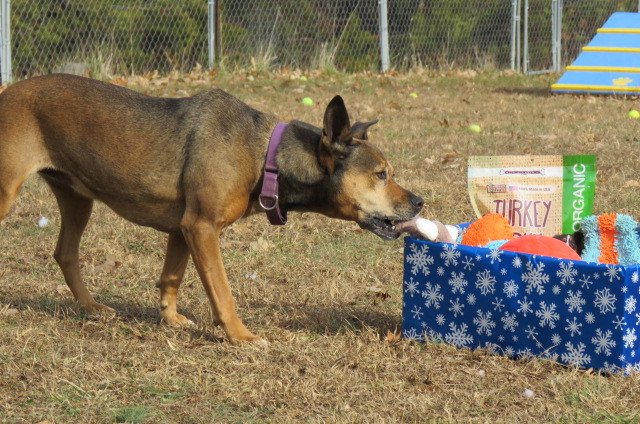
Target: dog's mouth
{"x":384,"y":227}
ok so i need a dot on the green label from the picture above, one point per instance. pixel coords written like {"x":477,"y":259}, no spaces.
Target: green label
{"x":578,"y":190}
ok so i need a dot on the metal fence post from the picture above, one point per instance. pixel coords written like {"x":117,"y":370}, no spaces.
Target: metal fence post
{"x":384,"y":34}
{"x":211,"y":27}
{"x":556,"y":34}
{"x":515,"y":35}
{"x":5,"y":42}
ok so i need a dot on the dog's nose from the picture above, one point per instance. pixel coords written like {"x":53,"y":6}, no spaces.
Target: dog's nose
{"x":417,"y":201}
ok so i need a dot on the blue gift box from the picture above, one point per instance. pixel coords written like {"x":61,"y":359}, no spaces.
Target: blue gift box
{"x":521,"y":305}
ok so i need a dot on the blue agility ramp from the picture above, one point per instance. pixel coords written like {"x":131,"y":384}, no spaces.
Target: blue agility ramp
{"x":610,"y":63}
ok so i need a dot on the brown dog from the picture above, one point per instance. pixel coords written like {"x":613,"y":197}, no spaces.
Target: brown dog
{"x":188,"y":167}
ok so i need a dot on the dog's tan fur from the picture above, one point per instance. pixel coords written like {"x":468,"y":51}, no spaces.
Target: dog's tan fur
{"x":188,"y":167}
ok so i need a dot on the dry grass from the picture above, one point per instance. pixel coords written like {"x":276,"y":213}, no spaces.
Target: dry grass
{"x":304,"y":286}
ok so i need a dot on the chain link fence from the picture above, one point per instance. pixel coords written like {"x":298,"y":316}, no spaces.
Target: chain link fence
{"x":98,"y":37}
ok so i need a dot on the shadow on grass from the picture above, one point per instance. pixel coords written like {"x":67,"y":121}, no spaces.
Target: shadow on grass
{"x":528,"y":91}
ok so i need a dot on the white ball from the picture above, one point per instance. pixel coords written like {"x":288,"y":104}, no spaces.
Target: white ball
{"x":528,"y":394}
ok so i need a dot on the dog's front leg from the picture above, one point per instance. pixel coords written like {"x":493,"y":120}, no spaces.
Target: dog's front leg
{"x":203,"y":239}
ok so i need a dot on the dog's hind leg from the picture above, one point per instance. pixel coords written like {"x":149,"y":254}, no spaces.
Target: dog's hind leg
{"x":174,"y":265}
{"x":75,"y":211}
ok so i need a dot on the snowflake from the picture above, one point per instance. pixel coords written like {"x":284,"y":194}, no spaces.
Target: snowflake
{"x":586,"y":281}
{"x":484,"y":323}
{"x":419,"y":259}
{"x":573,"y":327}
{"x":603,"y":342}
{"x":630,"y":304}
{"x":440,"y":319}
{"x":457,"y":282}
{"x":471,"y":299}
{"x":509,"y":322}
{"x":456,"y":307}
{"x":612,"y":272}
{"x":525,"y":306}
{"x":566,"y":273}
{"x":494,"y":255}
{"x":575,"y":301}
{"x":509,"y":351}
{"x":510,"y":288}
{"x":548,"y":315}
{"x":478,"y":258}
{"x":575,"y":355}
{"x":635,"y":277}
{"x":417,"y":312}
{"x":412,"y":334}
{"x":517,"y":262}
{"x":552,"y":356}
{"x":619,"y":322}
{"x":555,"y":289}
{"x":503,"y":271}
{"x":605,"y":300}
{"x":433,"y":296}
{"x":458,"y":335}
{"x":497,"y":304}
{"x":535,"y":277}
{"x":630,"y":337}
{"x":556,"y":339}
{"x":411,"y":286}
{"x":610,"y":368}
{"x":468,"y":263}
{"x":450,"y":255}
{"x":526,"y":353}
{"x":485,"y":282}
{"x":590,"y":318}
{"x":440,"y":271}
{"x":531,"y":332}
{"x":637,"y":319}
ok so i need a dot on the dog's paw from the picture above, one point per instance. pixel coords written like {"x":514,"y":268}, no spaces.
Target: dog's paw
{"x":176,"y":320}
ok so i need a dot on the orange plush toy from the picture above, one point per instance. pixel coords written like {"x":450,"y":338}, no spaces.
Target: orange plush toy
{"x":490,"y":227}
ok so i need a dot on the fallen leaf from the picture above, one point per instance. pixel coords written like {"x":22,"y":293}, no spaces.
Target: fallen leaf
{"x":393,"y":336}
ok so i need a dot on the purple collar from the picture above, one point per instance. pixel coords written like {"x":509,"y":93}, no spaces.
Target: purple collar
{"x":269,"y":195}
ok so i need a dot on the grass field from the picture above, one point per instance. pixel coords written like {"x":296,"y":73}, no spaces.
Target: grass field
{"x":334,"y":355}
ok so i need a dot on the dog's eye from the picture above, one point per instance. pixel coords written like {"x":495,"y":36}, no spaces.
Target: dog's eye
{"x":381,"y":175}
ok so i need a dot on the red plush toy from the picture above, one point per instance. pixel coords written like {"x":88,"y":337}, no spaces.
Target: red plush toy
{"x":541,"y":245}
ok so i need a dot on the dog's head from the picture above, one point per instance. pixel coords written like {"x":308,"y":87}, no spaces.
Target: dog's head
{"x":361,"y":179}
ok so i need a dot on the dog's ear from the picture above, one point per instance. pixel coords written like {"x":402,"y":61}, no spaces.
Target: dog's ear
{"x":336,"y":134}
{"x":359,"y":129}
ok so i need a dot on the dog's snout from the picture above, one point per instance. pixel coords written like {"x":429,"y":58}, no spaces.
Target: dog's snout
{"x":416,"y":201}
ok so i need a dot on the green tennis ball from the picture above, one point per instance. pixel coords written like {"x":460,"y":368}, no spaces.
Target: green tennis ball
{"x":633,"y":114}
{"x":303,"y":78}
{"x":413,"y":95}
{"x":307,"y":101}
{"x":475,"y":128}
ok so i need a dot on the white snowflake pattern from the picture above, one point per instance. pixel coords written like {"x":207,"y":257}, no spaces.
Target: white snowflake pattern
{"x":556,"y":289}
{"x":509,"y":322}
{"x":605,"y":300}
{"x":457,"y":282}
{"x":525,"y":306}
{"x":531,"y":332}
{"x":630,"y":304}
{"x":450,"y":254}
{"x":417,"y":312}
{"x":517,"y":262}
{"x":585,"y":281}
{"x":471,"y":299}
{"x":456,"y":307}
{"x":547,"y":315}
{"x":629,"y":337}
{"x":510,"y":288}
{"x":468,"y":263}
{"x":603,"y":342}
{"x":503,"y":271}
{"x":573,"y":327}
{"x":535,"y":277}
{"x":635,"y":277}
{"x":526,"y":353}
{"x":567,"y":273}
{"x":509,"y":351}
{"x":485,"y":282}
{"x":419,"y":259}
{"x":412,"y":334}
{"x":484,"y":323}
{"x":458,"y":336}
{"x":556,"y":339}
{"x":590,"y":318}
{"x":494,"y":255}
{"x":619,"y":322}
{"x":497,"y":304}
{"x":411,"y":287}
{"x":432,"y":295}
{"x":574,"y":301}
{"x":637,"y":319}
{"x":440,"y":319}
{"x":440,"y":271}
{"x":575,"y":355}
{"x":613,"y":272}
